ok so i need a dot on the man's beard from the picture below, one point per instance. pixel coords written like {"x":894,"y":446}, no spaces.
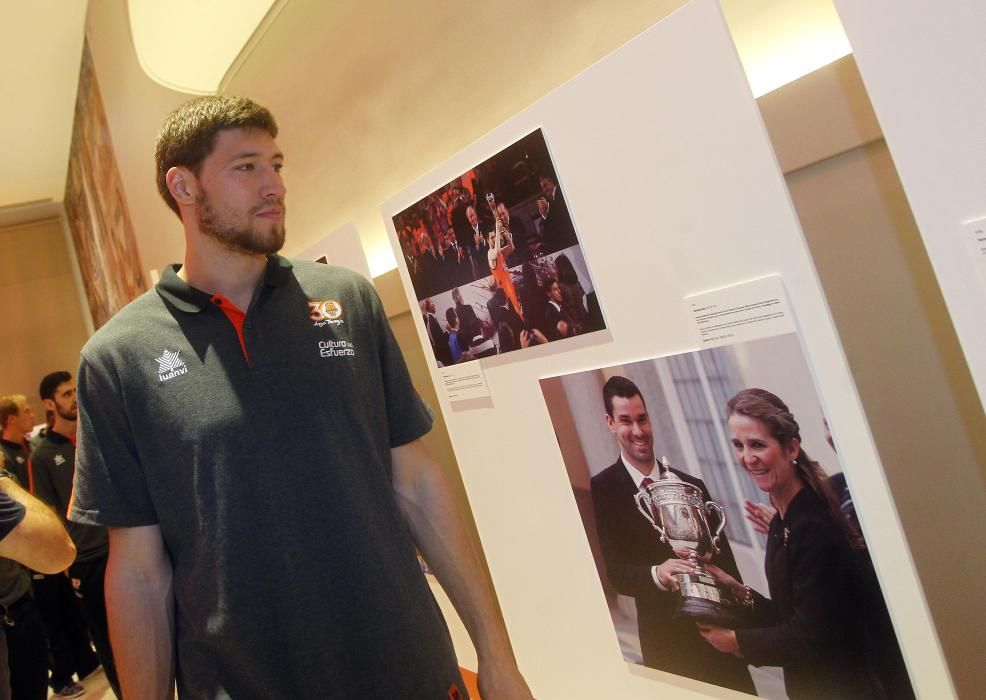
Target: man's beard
{"x":70,"y":414}
{"x":240,"y":240}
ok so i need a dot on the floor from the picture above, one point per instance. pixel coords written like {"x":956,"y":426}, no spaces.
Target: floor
{"x":98,"y":689}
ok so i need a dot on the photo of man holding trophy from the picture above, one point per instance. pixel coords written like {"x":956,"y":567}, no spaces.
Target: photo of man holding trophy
{"x":640,"y":563}
{"x":789,"y":603}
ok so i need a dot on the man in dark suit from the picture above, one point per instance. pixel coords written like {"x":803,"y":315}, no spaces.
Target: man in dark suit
{"x":557,"y":229}
{"x":469,"y":324}
{"x":638,"y":563}
{"x":503,"y":313}
{"x":437,"y":335}
{"x":557,"y":320}
{"x":470,"y":236}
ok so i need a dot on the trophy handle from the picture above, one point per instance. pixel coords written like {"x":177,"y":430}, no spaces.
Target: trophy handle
{"x":638,"y":498}
{"x":712,"y":505}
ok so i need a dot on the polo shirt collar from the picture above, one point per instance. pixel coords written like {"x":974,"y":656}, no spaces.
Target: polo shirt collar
{"x":187,"y":298}
{"x":22,"y":446}
{"x":58,"y":438}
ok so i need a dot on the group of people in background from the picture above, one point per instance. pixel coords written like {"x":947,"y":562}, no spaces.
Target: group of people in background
{"x":464,"y":236}
{"x":447,"y":238}
{"x":54,"y":624}
{"x":823,"y":619}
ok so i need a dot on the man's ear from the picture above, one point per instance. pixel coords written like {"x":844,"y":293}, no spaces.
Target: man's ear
{"x":182,"y":185}
{"x":48,"y":404}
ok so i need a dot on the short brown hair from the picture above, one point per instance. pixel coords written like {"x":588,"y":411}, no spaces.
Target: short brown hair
{"x":10,"y":406}
{"x":189,"y":133}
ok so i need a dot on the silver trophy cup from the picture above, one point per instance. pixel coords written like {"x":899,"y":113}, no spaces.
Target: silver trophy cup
{"x":677,"y":510}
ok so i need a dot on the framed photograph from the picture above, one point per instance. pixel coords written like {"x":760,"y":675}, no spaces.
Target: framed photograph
{"x":722,"y":525}
{"x":494,"y":258}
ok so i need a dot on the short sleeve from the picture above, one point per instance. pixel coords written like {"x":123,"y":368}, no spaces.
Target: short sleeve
{"x":110,"y":488}
{"x":408,"y":416}
{"x":11,"y":514}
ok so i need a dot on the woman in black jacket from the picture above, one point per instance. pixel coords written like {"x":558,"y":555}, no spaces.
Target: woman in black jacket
{"x":810,"y":625}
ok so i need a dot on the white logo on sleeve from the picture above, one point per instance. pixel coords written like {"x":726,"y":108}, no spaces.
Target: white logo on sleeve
{"x":59,"y":460}
{"x":169,"y":365}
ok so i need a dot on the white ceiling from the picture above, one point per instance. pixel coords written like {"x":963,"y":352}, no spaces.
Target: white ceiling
{"x":163,"y":37}
{"x":40,"y":49}
{"x":778,"y":41}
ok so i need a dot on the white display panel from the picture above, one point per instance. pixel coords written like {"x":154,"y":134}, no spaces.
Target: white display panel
{"x":673,"y":187}
{"x":341,"y":247}
{"x":924,"y":67}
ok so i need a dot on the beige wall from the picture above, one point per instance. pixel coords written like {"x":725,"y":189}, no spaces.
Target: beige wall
{"x":43,"y":327}
{"x":921,"y":404}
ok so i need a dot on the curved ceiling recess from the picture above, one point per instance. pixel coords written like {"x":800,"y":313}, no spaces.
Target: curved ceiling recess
{"x":194,"y":46}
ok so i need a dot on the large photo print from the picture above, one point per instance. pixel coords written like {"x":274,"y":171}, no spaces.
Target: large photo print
{"x":724,"y":533}
{"x":495,"y":261}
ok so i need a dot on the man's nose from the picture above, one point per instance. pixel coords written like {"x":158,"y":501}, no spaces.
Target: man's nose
{"x":273,"y":185}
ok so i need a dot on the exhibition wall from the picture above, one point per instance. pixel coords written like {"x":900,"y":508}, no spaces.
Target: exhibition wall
{"x":924,"y":66}
{"x":44,"y":313}
{"x":629,"y":164}
{"x":895,"y":329}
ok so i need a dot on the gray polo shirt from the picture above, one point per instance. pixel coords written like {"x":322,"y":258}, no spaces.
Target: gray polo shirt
{"x":294,"y":573}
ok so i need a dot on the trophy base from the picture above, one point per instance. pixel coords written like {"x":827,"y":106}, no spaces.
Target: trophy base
{"x":702,"y":600}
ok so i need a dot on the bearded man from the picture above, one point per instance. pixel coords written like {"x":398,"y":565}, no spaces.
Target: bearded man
{"x":250,"y":435}
{"x":51,"y":472}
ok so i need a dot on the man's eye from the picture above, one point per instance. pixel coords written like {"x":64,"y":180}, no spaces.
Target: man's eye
{"x":277,"y":167}
{"x":244,"y":167}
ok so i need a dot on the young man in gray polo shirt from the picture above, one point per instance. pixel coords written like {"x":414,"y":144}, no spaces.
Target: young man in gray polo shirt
{"x":249,"y":433}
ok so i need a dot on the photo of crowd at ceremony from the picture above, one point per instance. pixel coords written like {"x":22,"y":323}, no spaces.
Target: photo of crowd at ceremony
{"x":495,"y":261}
{"x":799,"y":611}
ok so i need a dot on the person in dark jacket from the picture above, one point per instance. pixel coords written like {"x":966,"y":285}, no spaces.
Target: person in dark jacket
{"x":810,"y":625}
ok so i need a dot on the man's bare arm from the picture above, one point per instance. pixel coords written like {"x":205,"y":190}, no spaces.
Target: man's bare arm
{"x":436,"y":521}
{"x":39,"y":541}
{"x":140,"y":610}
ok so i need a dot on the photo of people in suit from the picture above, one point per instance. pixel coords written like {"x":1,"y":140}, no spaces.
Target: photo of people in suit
{"x":494,"y":258}
{"x":738,"y":423}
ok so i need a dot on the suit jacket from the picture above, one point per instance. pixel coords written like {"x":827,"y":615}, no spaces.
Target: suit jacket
{"x":439,"y":340}
{"x":552,"y":317}
{"x":630,"y":547}
{"x":557,"y":229}
{"x":814,"y":623}
{"x":469,"y":324}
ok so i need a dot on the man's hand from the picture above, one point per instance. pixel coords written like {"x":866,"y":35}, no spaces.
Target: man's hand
{"x":760,"y":515}
{"x":665,"y":572}
{"x":531,"y":337}
{"x":505,"y":683}
{"x":722,"y":639}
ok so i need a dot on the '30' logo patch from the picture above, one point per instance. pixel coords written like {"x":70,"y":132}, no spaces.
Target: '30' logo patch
{"x":325,"y":311}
